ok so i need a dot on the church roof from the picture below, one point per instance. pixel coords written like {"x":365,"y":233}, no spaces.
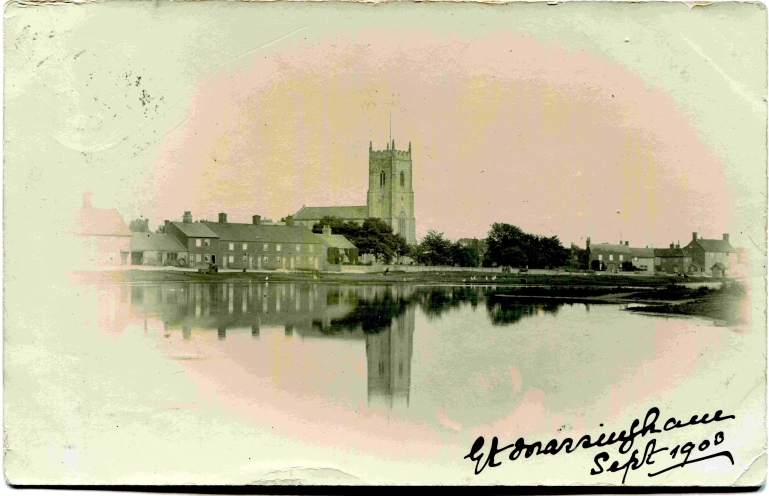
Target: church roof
{"x":344,"y":213}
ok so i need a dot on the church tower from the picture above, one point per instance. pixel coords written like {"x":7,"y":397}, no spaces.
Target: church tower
{"x":390,"y":193}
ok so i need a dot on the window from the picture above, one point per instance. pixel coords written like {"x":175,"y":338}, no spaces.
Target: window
{"x":611,"y":257}
{"x":245,"y":259}
{"x":620,"y":257}
{"x":277,"y":247}
{"x":264,"y":247}
{"x":232,"y":259}
{"x":245,"y":246}
{"x":382,"y":179}
{"x":298,"y":248}
{"x":198,"y":257}
{"x":403,"y":179}
{"x":265,"y":260}
{"x":206,"y":258}
{"x":198,"y":242}
{"x":206,"y":242}
{"x":232,"y":246}
{"x":311,"y":247}
{"x":298,"y":260}
{"x":277,"y":259}
{"x":600,"y":257}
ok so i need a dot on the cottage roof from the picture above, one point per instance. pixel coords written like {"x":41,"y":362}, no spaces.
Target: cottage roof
{"x":266,"y":234}
{"x":346,"y":213}
{"x":155,"y":242}
{"x":719,"y":266}
{"x":100,"y":221}
{"x":195,"y":230}
{"x":337,"y":241}
{"x":714,"y":245}
{"x":668,"y":252}
{"x":607,"y":248}
{"x":642,"y":252}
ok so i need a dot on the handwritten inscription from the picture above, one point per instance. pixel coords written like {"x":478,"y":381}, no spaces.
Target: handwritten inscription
{"x":679,"y":456}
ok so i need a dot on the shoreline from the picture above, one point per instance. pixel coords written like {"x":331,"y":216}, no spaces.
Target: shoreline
{"x":660,"y":295}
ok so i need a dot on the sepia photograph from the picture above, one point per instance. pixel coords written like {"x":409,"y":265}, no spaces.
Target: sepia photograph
{"x":385,"y":244}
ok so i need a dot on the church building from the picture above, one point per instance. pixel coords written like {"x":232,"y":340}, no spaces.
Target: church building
{"x":390,"y":195}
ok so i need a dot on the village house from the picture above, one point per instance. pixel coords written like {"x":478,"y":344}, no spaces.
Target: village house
{"x":671,"y":260}
{"x":201,"y":243}
{"x":341,"y":250}
{"x":100,"y":235}
{"x":157,"y":249}
{"x":643,"y":259}
{"x":607,"y":257}
{"x":709,"y":256}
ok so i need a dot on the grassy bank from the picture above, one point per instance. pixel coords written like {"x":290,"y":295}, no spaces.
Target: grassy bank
{"x":722,"y":304}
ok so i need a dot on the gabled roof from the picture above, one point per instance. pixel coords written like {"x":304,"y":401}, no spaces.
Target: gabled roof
{"x":346,"y":213}
{"x":668,"y":252}
{"x":266,"y":234}
{"x":642,"y":252}
{"x":195,"y":230}
{"x":155,"y":242}
{"x":100,"y":221}
{"x":337,"y":241}
{"x":714,"y":245}
{"x":719,"y":266}
{"x":606,"y":248}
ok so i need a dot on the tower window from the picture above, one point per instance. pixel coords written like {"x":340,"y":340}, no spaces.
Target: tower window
{"x":403,"y":179}
{"x":382,"y":179}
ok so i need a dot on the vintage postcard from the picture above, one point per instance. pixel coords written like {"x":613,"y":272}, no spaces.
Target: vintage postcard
{"x":399,"y":243}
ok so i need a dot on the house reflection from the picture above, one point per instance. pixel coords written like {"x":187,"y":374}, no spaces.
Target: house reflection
{"x":382,"y":316}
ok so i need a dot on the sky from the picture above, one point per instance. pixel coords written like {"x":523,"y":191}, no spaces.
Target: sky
{"x":639,"y":124}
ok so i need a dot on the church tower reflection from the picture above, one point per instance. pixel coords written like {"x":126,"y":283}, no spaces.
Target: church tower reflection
{"x":388,"y":355}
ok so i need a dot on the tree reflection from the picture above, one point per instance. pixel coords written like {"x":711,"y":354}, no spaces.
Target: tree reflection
{"x":506,"y":311}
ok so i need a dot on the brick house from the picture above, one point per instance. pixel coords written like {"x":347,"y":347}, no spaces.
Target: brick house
{"x":709,"y":256}
{"x":201,"y":243}
{"x":671,"y":260}
{"x":607,"y":257}
{"x":100,"y":236}
{"x":643,"y":259}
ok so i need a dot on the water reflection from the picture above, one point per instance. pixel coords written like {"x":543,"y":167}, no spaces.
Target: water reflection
{"x":381,"y":316}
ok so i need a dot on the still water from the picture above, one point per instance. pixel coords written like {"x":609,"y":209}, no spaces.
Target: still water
{"x":452,"y":357}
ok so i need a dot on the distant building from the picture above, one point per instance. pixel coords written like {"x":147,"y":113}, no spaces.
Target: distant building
{"x":347,"y":251}
{"x":608,"y":257}
{"x":709,"y":256}
{"x":643,"y":259}
{"x":390,"y":195}
{"x":671,"y":260}
{"x":100,"y":235}
{"x":157,"y":249}
{"x":201,"y":243}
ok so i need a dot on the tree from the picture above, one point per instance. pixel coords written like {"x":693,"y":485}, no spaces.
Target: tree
{"x":434,"y":249}
{"x":161,"y":229}
{"x":374,"y":237}
{"x":627,"y":266}
{"x":139,"y":225}
{"x":509,"y":245}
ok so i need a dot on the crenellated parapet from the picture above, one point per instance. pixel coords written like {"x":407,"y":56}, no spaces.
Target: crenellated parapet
{"x":390,"y":151}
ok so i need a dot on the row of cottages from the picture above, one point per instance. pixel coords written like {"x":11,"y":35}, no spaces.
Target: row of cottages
{"x":703,"y":257}
{"x":233,"y":245}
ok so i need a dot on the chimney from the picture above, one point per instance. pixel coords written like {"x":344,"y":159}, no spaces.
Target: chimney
{"x":257,"y":219}
{"x":678,"y":246}
{"x":166,"y":224}
{"x":694,"y":236}
{"x":370,"y":146}
{"x":187,"y":218}
{"x":326,"y":230}
{"x":222,"y":218}
{"x":409,"y":147}
{"x":290,"y":221}
{"x":627,"y":243}
{"x":672,"y":246}
{"x":726,"y":237}
{"x":87,"y":199}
